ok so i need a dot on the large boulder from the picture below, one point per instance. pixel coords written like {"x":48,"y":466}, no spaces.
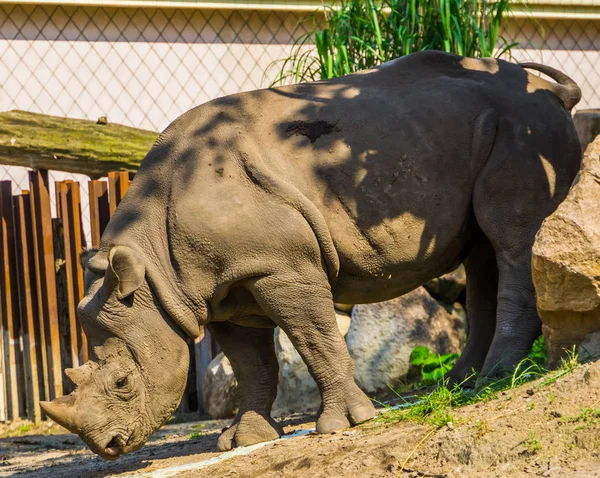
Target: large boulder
{"x":448,"y":287}
{"x":222,"y":399}
{"x":382,"y":336}
{"x":566,"y":266}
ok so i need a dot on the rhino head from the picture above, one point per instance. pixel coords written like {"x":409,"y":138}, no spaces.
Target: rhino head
{"x":139,"y":359}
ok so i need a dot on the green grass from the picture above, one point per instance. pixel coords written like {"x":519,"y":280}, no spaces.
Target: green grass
{"x":198,"y":432}
{"x":360,"y":34}
{"x":588,"y":417}
{"x":435,"y":408}
{"x":532,"y":444}
{"x":80,"y":146}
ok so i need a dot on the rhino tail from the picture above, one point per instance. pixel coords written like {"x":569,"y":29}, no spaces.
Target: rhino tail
{"x":565,"y":88}
{"x":291,"y":195}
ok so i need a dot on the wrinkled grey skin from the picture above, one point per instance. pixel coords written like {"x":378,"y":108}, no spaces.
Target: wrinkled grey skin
{"x":261,"y":209}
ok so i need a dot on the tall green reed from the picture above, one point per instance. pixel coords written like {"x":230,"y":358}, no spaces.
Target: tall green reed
{"x":355,"y":35}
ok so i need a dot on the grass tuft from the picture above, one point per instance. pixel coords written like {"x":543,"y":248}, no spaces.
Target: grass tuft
{"x":357,"y":35}
{"x":435,"y":408}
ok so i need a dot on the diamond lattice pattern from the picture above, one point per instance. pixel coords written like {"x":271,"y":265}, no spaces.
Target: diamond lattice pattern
{"x":140,"y":67}
{"x":144,"y":67}
{"x":572,"y":46}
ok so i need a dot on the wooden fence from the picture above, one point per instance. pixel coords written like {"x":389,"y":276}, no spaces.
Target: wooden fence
{"x":41,"y":283}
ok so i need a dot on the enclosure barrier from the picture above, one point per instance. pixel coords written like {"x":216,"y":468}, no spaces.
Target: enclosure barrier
{"x":41,"y":283}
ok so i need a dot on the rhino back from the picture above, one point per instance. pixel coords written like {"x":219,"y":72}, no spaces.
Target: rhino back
{"x":385,"y":155}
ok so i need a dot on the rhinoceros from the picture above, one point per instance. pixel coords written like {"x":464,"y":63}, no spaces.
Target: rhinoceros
{"x":264,"y":208}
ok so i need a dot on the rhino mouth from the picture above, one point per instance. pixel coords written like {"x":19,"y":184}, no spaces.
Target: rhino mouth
{"x":115,"y":447}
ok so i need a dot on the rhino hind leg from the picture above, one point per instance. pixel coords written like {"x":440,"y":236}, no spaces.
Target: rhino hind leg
{"x":527,"y":175}
{"x":301,"y":304}
{"x":251,"y":352}
{"x":482,"y":288}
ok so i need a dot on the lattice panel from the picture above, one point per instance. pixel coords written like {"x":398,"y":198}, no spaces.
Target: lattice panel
{"x":144,"y":67}
{"x":140,"y":67}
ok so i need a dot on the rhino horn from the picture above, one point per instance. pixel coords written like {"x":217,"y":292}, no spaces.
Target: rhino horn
{"x":62,"y":411}
{"x":79,"y":375}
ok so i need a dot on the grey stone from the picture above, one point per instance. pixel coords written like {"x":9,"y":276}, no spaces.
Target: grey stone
{"x":448,"y":287}
{"x":222,"y":399}
{"x":382,"y":336}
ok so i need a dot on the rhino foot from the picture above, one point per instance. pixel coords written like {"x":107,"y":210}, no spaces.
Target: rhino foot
{"x":350,"y":409}
{"x":248,"y":429}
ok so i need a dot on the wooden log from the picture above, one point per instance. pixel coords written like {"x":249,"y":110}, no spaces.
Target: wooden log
{"x":34,"y":377}
{"x":99,"y":209}
{"x":9,"y":301}
{"x":46,"y":282}
{"x":118,"y":184}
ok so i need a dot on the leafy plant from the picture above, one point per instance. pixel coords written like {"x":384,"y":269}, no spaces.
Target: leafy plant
{"x":198,"y":432}
{"x":538,"y":353}
{"x":358,"y":34}
{"x":432,"y":366}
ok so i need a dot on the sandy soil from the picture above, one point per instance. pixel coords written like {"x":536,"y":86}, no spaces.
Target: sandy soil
{"x":534,"y":430}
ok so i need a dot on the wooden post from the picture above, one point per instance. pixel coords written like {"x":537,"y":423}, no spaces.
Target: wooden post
{"x":46,"y":282}
{"x":587,"y":124}
{"x":11,"y":324}
{"x":69,"y":211}
{"x":118,"y":184}
{"x":99,"y":209}
{"x":204,"y":354}
{"x":34,"y":377}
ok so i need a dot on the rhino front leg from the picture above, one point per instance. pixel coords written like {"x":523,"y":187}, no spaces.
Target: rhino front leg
{"x":251,"y":352}
{"x":301,"y":304}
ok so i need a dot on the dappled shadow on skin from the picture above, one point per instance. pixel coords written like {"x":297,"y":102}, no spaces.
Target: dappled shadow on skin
{"x":397,"y":150}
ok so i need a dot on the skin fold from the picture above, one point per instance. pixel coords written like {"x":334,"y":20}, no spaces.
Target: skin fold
{"x":262,"y":209}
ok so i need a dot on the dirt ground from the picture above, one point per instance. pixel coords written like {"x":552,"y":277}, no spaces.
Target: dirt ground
{"x":534,"y":430}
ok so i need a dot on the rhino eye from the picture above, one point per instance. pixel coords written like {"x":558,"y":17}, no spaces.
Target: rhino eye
{"x":122,"y":382}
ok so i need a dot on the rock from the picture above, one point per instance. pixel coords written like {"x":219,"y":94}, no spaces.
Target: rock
{"x":382,"y":336}
{"x":566,"y":265}
{"x":297,"y":391}
{"x":221,"y":389}
{"x":448,"y":287}
{"x":587,"y":124}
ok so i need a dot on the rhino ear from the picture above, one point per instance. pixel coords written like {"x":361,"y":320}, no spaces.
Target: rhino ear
{"x":127,"y":266}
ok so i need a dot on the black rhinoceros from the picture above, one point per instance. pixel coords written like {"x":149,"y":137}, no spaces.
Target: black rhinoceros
{"x":263,"y":208}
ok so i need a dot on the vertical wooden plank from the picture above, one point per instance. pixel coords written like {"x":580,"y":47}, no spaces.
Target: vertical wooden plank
{"x":62,"y":206}
{"x":99,"y":209}
{"x":118,"y":184}
{"x":69,"y":204}
{"x":46,"y":281}
{"x":78,"y":245}
{"x":11,"y":324}
{"x":34,"y":379}
{"x":204,"y":354}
